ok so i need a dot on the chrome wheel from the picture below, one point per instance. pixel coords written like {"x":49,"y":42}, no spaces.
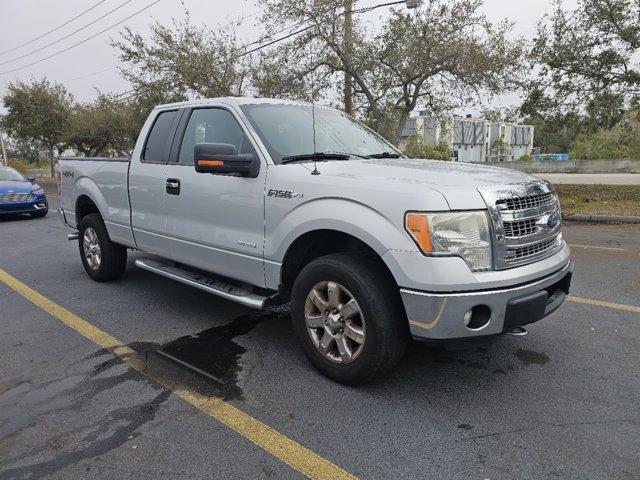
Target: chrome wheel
{"x":91,"y":247}
{"x":335,"y":322}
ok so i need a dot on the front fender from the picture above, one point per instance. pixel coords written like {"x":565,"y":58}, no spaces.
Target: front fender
{"x":339,"y":214}
{"x":347,"y":216}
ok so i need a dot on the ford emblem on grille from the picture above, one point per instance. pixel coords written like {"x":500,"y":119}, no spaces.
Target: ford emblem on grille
{"x":548,"y":222}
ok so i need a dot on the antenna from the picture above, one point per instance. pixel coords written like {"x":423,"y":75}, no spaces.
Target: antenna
{"x":313,"y":114}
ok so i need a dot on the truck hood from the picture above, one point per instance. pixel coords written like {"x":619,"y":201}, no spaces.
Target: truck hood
{"x":7,"y":186}
{"x":457,"y":182}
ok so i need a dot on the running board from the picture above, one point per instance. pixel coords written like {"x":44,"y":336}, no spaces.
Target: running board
{"x":208,"y":284}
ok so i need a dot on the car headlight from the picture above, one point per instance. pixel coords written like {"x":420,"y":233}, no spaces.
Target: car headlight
{"x":38,"y":192}
{"x":463,"y":234}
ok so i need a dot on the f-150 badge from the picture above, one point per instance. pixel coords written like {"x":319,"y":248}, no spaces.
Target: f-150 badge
{"x":284,"y":194}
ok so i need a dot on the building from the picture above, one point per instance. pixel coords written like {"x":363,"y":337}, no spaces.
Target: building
{"x":472,"y":139}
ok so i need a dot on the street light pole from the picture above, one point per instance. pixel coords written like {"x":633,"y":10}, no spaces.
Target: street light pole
{"x":348,"y":50}
{"x":4,"y":152}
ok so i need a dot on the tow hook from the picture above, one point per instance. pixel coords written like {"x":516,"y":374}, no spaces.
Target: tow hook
{"x":517,"y":331}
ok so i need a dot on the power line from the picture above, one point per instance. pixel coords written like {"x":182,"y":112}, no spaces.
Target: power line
{"x":239,"y":21}
{"x":82,"y":41}
{"x":53,"y":29}
{"x":91,"y":74}
{"x":272,"y":42}
{"x":133,"y":92}
{"x":68,"y":35}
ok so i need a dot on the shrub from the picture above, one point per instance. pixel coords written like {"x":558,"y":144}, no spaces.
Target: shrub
{"x":525,"y":158}
{"x":19,"y":165}
{"x":621,"y":141}
{"x":416,"y":149}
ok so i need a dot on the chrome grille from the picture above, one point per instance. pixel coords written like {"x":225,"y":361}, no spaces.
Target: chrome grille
{"x":529,"y":251}
{"x":526,"y":223}
{"x":15,"y":197}
{"x":520,"y":228}
{"x":529,"y":201}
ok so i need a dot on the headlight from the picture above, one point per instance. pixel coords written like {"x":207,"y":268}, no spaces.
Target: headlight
{"x":38,"y":192}
{"x":464,"y":234}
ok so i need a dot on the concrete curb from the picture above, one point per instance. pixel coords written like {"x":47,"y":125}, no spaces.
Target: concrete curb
{"x":603,"y":218}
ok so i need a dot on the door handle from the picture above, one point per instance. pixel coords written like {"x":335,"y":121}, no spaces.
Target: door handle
{"x":173,"y":186}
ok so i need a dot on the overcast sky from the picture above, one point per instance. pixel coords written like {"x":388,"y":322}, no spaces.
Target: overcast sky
{"x":24,"y":20}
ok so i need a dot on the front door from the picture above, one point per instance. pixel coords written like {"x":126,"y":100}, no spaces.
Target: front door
{"x":215,"y":222}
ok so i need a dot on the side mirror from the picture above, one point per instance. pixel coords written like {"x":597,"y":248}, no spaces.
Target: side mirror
{"x":220,"y":158}
{"x":32,"y":179}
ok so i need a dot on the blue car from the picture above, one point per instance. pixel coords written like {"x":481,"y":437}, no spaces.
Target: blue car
{"x":20,"y":194}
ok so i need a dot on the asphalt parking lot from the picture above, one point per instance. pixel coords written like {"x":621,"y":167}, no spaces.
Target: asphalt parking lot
{"x":562,"y":402}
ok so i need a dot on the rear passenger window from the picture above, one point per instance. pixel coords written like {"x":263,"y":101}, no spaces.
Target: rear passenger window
{"x":155,"y":148}
{"x":212,"y":125}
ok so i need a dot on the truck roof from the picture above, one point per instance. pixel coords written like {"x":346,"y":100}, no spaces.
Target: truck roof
{"x":234,"y":101}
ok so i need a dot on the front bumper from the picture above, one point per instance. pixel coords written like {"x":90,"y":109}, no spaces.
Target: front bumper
{"x":17,"y":208}
{"x":441,"y":316}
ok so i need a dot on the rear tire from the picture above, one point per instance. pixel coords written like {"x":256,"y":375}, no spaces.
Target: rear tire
{"x":376,"y":334}
{"x":102,"y":259}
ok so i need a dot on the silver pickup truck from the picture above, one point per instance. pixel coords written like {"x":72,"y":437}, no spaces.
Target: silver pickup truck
{"x":263,"y":201}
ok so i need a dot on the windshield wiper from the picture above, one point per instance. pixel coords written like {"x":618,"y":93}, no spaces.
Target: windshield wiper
{"x":384,"y":155}
{"x":319,"y":156}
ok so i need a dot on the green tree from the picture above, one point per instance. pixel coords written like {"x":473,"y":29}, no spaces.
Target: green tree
{"x":101,"y":127}
{"x":586,"y":70}
{"x":439,"y":56}
{"x":183,"y":60}
{"x":621,"y":141}
{"x":415,"y":148}
{"x":587,"y":51}
{"x":37,"y":112}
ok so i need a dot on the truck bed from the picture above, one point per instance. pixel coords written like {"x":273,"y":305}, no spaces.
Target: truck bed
{"x":104,"y":181}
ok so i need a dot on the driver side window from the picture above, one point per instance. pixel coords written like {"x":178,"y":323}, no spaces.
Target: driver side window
{"x":212,"y":125}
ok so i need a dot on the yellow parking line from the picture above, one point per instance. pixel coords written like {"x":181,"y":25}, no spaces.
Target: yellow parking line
{"x":265,"y":437}
{"x":600,"y":303}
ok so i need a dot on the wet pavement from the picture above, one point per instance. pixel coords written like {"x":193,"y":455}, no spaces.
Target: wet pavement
{"x":561,"y":402}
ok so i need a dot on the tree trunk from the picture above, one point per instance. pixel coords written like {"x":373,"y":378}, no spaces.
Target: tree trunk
{"x":404,"y":116}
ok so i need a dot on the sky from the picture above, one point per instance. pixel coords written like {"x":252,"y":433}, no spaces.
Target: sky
{"x":92,"y":64}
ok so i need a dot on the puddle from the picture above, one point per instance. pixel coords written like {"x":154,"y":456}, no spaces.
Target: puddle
{"x":214,"y":352}
{"x":529,"y":357}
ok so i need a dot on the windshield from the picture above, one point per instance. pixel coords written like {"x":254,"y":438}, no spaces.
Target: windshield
{"x":287,"y":130}
{"x":8,"y":173}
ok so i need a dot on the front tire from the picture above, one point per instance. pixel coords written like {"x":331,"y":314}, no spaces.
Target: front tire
{"x":347,"y":313}
{"x":102,"y":259}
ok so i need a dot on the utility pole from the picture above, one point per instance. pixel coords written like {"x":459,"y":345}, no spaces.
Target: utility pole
{"x":348,"y":50}
{"x":4,"y":152}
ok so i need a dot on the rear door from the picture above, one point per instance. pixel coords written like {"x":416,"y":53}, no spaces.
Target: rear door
{"x":148,"y":185}
{"x":215,"y":222}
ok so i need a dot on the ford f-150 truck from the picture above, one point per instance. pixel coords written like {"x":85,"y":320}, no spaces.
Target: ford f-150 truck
{"x":264,"y":201}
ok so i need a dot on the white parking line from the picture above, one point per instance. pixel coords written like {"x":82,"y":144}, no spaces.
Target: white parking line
{"x":595,"y":247}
